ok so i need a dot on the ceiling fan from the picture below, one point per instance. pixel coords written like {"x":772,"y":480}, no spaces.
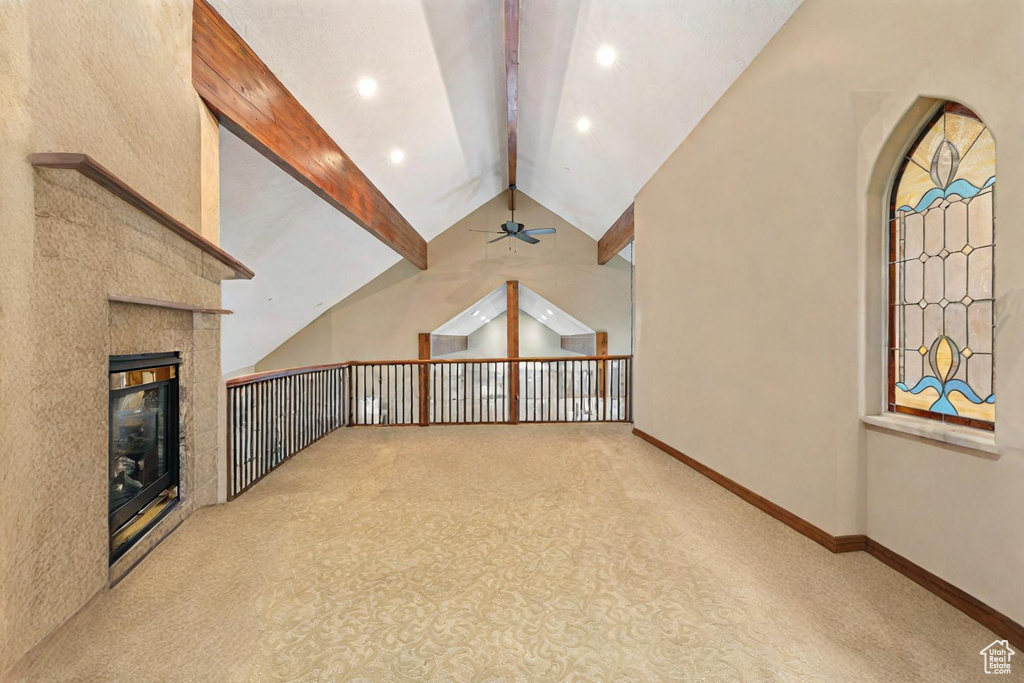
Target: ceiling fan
{"x":511,"y":229}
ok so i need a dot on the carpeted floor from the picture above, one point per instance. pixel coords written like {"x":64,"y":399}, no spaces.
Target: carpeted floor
{"x":528,"y":553}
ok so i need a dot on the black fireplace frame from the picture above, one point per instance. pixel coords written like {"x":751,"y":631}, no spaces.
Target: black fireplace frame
{"x":124,"y":514}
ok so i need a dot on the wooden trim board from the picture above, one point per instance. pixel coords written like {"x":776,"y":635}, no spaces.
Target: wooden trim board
{"x":995,"y":621}
{"x":799,"y":524}
{"x":99,"y":174}
{"x":143,"y":301}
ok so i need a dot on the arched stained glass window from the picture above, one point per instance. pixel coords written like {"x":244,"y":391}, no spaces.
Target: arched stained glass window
{"x":941,"y":247}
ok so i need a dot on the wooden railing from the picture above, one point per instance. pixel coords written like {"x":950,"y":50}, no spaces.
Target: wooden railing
{"x":469,"y":391}
{"x":594,"y":389}
{"x":273,"y":415}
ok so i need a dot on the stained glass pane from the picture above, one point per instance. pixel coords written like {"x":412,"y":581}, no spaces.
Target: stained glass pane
{"x":943,"y":228}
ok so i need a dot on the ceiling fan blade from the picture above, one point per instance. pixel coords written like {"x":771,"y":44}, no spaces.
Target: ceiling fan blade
{"x":526,"y":238}
{"x":540,"y":231}
{"x":497,"y":239}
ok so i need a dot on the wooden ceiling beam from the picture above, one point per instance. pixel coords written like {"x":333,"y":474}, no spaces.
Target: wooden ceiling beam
{"x":512,"y":347}
{"x":616,"y":238}
{"x":512,"y":87}
{"x":251,"y":102}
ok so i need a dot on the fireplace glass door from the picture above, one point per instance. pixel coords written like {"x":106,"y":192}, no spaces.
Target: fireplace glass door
{"x":143,"y":445}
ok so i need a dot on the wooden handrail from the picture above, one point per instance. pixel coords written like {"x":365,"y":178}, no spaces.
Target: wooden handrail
{"x":274,"y":374}
{"x":483,"y":360}
{"x":288,"y":372}
{"x":99,"y":174}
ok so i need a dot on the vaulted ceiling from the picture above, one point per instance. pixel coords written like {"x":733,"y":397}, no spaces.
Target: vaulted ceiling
{"x":439,"y":65}
{"x":494,"y":304}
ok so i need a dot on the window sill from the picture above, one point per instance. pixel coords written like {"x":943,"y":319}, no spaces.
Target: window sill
{"x":964,"y":437}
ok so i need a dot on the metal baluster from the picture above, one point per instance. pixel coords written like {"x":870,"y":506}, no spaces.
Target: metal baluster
{"x":572,"y":387}
{"x":250,"y":464}
{"x":247,"y":425}
{"x":233,"y":443}
{"x":274,"y":426}
{"x":257,"y":435}
{"x":526,"y":391}
{"x":259,"y":432}
{"x":268,"y":431}
{"x":548,"y":384}
{"x":586,"y":394}
{"x":258,"y":424}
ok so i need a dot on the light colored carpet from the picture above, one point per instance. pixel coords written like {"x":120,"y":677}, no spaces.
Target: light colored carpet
{"x":529,"y":553}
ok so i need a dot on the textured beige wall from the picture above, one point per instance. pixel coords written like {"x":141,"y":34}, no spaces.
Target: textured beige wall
{"x":113,"y":80}
{"x":16,"y":216}
{"x":759,"y":282}
{"x":210,"y":174}
{"x":381,"y":320}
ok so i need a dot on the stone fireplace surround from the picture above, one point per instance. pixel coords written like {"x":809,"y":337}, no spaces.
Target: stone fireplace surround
{"x":90,"y":247}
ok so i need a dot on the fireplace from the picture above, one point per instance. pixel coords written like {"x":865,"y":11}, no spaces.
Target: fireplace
{"x":144,"y":445}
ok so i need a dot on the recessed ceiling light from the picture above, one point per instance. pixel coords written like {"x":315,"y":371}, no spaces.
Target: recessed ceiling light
{"x":606,"y":56}
{"x":476,"y":312}
{"x":397,"y":156}
{"x":550,"y":312}
{"x":367,"y":87}
{"x":583,"y":125}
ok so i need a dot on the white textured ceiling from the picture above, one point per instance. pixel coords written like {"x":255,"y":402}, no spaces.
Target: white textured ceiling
{"x":548,"y":314}
{"x":467,"y":322}
{"x":494,"y":304}
{"x":440,"y":69}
